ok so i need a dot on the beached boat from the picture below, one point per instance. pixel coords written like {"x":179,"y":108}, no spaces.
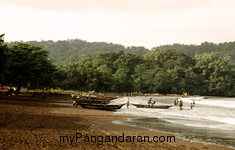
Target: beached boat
{"x":154,"y":106}
{"x":97,"y":100}
{"x":112,"y":97}
{"x":100,"y":106}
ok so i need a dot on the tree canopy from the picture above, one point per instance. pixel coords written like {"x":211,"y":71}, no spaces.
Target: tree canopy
{"x":3,"y":58}
{"x":27,"y":63}
{"x":160,"y":70}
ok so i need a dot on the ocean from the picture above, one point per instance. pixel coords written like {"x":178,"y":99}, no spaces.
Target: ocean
{"x":211,"y":121}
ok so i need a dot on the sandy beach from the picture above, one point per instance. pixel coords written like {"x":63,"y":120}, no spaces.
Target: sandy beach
{"x":30,"y":123}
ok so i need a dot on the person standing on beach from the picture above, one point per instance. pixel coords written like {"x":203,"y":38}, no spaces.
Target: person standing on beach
{"x":76,"y":101}
{"x":150,"y":101}
{"x":127,"y":103}
{"x":181,"y":104}
{"x":89,"y":96}
{"x":176,"y":102}
{"x":43,"y":96}
{"x":191,"y":105}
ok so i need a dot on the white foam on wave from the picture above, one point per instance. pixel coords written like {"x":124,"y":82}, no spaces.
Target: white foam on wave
{"x":210,"y":115}
{"x":211,"y":102}
{"x":220,"y":115}
{"x":219,"y":103}
{"x":224,"y":120}
{"x":193,"y":125}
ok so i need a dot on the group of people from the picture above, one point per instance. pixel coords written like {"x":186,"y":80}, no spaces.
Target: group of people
{"x":192,"y":104}
{"x":75,"y":99}
{"x":176,"y":102}
{"x":149,"y":102}
{"x":180,"y":103}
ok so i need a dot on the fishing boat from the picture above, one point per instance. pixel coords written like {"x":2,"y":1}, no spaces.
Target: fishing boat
{"x":112,"y":97}
{"x":101,"y":106}
{"x":154,"y":106}
{"x":99,"y":100}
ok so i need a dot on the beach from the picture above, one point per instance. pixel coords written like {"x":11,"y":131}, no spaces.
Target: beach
{"x":30,"y":123}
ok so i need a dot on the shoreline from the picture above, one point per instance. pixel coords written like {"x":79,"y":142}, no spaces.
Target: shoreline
{"x":55,"y":117}
{"x":132,"y":130}
{"x":182,"y":140}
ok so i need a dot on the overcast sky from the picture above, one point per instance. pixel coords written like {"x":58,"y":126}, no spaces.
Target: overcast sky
{"x":145,"y":23}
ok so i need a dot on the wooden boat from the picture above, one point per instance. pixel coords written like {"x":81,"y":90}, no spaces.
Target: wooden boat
{"x":112,"y":97}
{"x":100,"y":106}
{"x":154,"y":106}
{"x":93,"y":100}
{"x":100,"y":98}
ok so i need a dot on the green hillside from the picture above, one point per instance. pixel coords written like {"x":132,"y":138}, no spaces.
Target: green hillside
{"x":74,"y":51}
{"x":224,"y":49}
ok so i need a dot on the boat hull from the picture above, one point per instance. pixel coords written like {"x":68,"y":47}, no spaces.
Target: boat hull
{"x":154,"y":106}
{"x":100,"y":106}
{"x":94,"y":100}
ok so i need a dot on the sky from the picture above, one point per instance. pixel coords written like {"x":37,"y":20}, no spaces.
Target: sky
{"x":147,"y":23}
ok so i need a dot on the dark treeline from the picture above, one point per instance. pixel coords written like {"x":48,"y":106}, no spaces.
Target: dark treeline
{"x":160,"y":70}
{"x":23,"y":63}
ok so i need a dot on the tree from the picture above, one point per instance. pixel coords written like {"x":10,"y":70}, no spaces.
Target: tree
{"x":127,"y":62}
{"x":140,"y":81}
{"x":215,"y":74}
{"x":166,"y":70}
{"x":28,"y":63}
{"x":105,"y":77}
{"x":168,"y":58}
{"x":122,"y":82}
{"x":60,"y":77}
{"x":3,"y":58}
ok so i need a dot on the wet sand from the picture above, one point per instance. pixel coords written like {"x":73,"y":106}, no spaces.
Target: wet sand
{"x":30,"y":123}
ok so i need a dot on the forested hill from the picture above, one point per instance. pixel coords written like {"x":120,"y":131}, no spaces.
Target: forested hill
{"x":224,"y":49}
{"x":76,"y":50}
